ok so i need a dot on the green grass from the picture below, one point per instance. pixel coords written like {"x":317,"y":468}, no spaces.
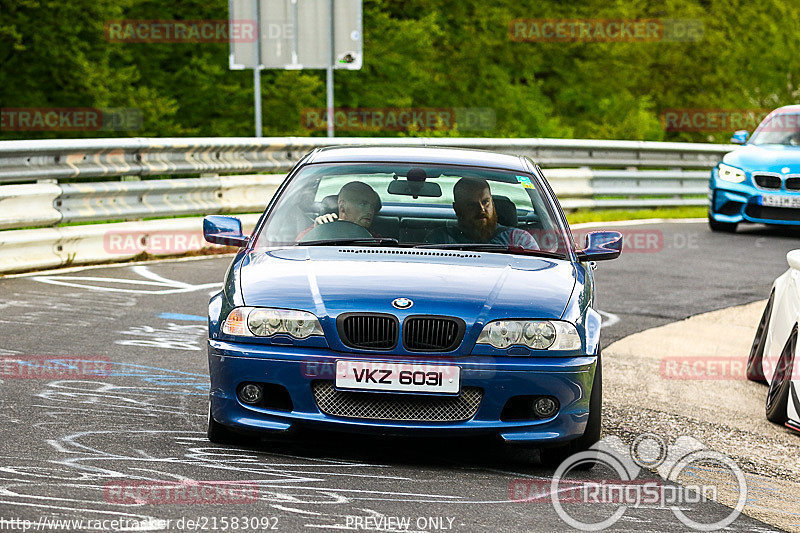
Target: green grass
{"x":606,"y":215}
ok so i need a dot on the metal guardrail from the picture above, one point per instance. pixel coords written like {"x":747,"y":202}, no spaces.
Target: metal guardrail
{"x":601,"y":174}
{"x":48,"y":204}
{"x":90,"y":158}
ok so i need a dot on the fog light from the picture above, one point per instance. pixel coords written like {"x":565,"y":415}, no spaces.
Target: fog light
{"x":251,"y":393}
{"x":545,"y":406}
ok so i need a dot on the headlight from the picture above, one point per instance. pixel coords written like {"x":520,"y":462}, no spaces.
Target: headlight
{"x":729,"y":173}
{"x":536,"y":334}
{"x":263,"y":322}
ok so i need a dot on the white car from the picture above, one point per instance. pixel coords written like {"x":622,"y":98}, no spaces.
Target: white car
{"x":774,"y":356}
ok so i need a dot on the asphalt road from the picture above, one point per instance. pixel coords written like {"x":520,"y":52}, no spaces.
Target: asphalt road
{"x":70,"y":442}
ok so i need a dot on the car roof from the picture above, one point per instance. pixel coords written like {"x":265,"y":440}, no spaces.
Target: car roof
{"x":417,"y":154}
{"x":787,"y":109}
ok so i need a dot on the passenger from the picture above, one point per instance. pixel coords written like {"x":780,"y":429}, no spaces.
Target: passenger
{"x":477,"y":219}
{"x":358,"y":203}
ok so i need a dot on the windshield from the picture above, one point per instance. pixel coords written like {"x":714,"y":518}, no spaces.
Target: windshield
{"x":783,"y":128}
{"x":414,"y":205}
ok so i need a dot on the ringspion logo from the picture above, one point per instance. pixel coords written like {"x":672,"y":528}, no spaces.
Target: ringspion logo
{"x":689,"y":473}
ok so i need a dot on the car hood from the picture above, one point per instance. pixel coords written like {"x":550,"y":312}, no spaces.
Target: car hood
{"x":767,"y":158}
{"x":474,"y":286}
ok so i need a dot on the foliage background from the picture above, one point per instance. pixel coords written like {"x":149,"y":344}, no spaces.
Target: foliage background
{"x":418,"y":53}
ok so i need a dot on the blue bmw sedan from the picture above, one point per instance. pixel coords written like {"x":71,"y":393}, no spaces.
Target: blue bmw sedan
{"x":759,"y":182}
{"x":409,"y":291}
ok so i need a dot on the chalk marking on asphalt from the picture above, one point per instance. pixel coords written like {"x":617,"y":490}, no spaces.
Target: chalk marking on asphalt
{"x":181,"y":316}
{"x":169,"y":286}
{"x":82,"y":268}
{"x":294,"y":510}
{"x":610,"y":319}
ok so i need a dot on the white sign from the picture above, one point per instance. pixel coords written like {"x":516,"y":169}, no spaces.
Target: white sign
{"x":296,"y":34}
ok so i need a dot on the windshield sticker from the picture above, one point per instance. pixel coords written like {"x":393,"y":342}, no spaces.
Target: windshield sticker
{"x":525,"y":181}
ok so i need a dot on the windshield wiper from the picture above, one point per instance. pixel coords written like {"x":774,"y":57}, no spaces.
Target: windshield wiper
{"x":499,"y":248}
{"x":361,"y":240}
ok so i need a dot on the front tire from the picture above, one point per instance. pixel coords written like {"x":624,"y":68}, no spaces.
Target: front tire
{"x":552,"y":457}
{"x":755,"y":367}
{"x":778,"y":393}
{"x":721,"y":227}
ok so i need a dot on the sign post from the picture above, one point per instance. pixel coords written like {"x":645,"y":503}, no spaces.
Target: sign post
{"x":298,"y":34}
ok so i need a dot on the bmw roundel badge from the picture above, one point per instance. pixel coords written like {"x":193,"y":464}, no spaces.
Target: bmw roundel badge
{"x":402,"y":303}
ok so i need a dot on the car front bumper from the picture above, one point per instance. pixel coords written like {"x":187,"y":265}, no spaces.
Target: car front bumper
{"x":569,"y":379}
{"x":743,"y":202}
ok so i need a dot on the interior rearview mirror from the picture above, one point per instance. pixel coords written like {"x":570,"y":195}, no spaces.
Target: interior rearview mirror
{"x":416,"y":189}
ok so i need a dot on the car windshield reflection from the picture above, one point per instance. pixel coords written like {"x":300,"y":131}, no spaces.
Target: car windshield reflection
{"x":405,"y":205}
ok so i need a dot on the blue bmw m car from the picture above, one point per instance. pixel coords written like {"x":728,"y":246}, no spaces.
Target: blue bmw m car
{"x":409,"y":291}
{"x":759,"y":182}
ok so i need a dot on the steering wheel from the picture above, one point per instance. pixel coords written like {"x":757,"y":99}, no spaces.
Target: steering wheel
{"x":338,"y":229}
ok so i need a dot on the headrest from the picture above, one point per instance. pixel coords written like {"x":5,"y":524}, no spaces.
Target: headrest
{"x":329,"y":204}
{"x":506,"y":211}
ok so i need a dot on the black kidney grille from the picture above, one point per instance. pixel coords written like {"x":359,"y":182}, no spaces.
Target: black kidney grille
{"x":369,"y":331}
{"x":793,"y":184}
{"x":432,"y":334}
{"x":768,"y":182}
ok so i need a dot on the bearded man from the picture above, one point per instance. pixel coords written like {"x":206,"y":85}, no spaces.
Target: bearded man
{"x":477,"y":219}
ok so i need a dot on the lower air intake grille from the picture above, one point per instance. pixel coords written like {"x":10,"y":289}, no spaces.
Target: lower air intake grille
{"x":773,"y":213}
{"x":368,"y":331}
{"x":400,"y":407}
{"x":432,"y":333}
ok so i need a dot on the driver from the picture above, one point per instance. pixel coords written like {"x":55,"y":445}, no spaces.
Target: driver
{"x":477,"y":219}
{"x":358,"y":203}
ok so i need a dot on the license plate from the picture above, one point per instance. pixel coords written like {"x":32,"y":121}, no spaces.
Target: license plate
{"x":401,"y":377}
{"x":773,"y":200}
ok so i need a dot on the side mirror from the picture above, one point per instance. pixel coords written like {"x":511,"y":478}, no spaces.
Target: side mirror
{"x":601,"y":245}
{"x":740,"y":137}
{"x":224,"y":230}
{"x":793,"y":258}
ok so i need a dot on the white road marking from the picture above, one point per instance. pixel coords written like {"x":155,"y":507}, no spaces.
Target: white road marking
{"x":168,"y":286}
{"x":609,"y":319}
